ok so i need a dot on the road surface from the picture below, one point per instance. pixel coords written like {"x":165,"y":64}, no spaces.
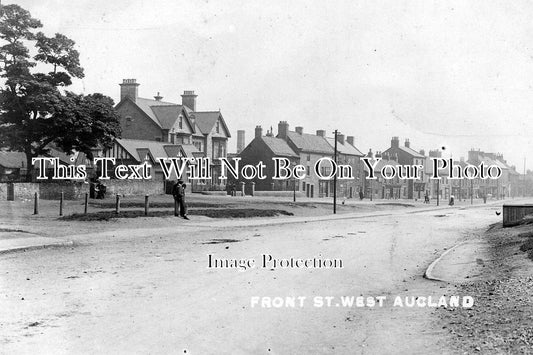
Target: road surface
{"x":152,"y":292}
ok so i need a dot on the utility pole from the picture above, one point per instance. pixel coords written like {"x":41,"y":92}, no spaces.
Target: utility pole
{"x":335,"y":178}
{"x":438,"y":191}
{"x":293,"y":189}
{"x":471,"y":191}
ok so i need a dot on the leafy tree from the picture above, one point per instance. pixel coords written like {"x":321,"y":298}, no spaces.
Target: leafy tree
{"x":34,"y":110}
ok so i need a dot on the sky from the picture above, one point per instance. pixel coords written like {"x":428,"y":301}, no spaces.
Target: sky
{"x":444,"y":74}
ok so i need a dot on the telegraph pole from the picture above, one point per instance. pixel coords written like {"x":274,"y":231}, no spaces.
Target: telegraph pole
{"x":335,"y":178}
{"x":471,"y":191}
{"x":438,"y":191}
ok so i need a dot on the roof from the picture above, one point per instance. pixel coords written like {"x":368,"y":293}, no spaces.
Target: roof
{"x":167,"y":114}
{"x":146,"y":106}
{"x":12,"y":159}
{"x":206,"y":120}
{"x":310,"y":143}
{"x":345,"y":148}
{"x":279,"y":146}
{"x":412,"y":152}
{"x":191,"y":151}
{"x":139,"y":148}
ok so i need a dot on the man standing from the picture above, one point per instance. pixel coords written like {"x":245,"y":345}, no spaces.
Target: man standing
{"x":178,"y":191}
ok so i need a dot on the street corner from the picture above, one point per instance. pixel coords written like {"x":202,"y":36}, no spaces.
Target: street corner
{"x":462,"y":262}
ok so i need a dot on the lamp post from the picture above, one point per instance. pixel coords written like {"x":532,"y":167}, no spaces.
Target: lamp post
{"x":335,"y":176}
{"x":293,"y":189}
{"x":438,"y":191}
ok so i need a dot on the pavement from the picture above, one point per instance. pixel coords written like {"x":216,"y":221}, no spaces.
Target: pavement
{"x":152,"y":289}
{"x":463,"y":262}
{"x":17,"y":240}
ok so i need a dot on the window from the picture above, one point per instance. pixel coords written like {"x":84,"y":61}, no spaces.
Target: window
{"x":308,"y":157}
{"x":218,"y":126}
{"x":308,"y":170}
{"x":180,"y":122}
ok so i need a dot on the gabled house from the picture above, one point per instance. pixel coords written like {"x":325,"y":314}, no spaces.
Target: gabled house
{"x":134,"y":151}
{"x":310,"y":148}
{"x":382,"y":188}
{"x":265,"y":148}
{"x":172,"y":123}
{"x":408,"y":156}
{"x":347,"y":154}
{"x":13,"y":164}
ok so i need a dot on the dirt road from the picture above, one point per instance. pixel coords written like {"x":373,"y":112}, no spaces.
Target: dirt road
{"x":152,"y":292}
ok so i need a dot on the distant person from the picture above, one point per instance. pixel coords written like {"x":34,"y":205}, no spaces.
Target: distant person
{"x":484,"y":198}
{"x":426,"y":198}
{"x":361,"y":196}
{"x":452,"y":201}
{"x":100,"y":190}
{"x":178,"y":191}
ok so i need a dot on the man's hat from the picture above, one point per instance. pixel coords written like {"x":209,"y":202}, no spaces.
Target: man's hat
{"x":180,"y":181}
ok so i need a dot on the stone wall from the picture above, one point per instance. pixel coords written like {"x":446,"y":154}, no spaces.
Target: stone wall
{"x":71,"y":190}
{"x":134,"y":188}
{"x":77,"y":190}
{"x":22,"y":190}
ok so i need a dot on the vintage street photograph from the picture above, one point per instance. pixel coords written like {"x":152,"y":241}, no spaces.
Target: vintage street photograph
{"x":266,"y":177}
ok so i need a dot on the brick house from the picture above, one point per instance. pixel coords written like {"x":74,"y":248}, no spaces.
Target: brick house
{"x":381,"y":188}
{"x":347,"y":154}
{"x":408,"y":156}
{"x":310,"y":148}
{"x":167,"y":122}
{"x":264,"y":148}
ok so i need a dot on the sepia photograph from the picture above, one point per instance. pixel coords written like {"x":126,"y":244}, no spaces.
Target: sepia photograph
{"x":266,"y":177}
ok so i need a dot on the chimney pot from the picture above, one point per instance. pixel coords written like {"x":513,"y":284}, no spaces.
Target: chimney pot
{"x":189,"y":99}
{"x":129,"y":88}
{"x":283,"y":128}
{"x":258,"y":132}
{"x":407,"y":144}
{"x":240,"y":141}
{"x":349,"y":139}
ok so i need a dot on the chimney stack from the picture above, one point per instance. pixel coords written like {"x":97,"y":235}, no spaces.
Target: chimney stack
{"x":321,"y":133}
{"x":258,"y":132}
{"x":189,"y":99}
{"x":407,"y":144}
{"x":349,"y":139}
{"x":395,"y":142}
{"x":240,"y":141}
{"x":129,"y":88}
{"x":422,"y":152}
{"x":340,"y":138}
{"x":370,"y":154}
{"x":283,"y":128}
{"x":158,"y":97}
{"x":300,"y":130}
